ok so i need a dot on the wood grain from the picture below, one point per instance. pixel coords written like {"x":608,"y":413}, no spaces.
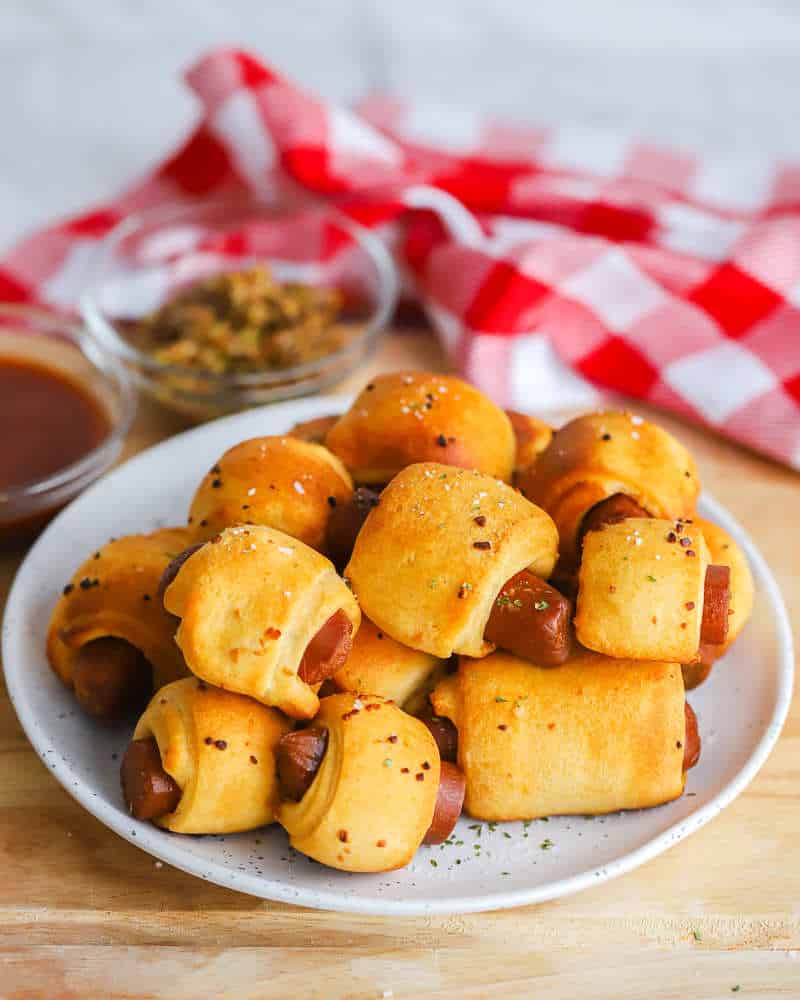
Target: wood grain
{"x":84,"y":914}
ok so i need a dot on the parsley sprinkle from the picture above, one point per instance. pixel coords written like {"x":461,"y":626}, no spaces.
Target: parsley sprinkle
{"x":541,"y":605}
{"x":736,"y":988}
{"x":546,"y":844}
{"x":387,"y":762}
{"x":434,"y":863}
{"x":652,"y":579}
{"x":697,"y":935}
{"x":498,"y":699}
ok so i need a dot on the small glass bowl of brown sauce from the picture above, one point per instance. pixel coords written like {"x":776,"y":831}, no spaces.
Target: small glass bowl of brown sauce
{"x":65,"y":408}
{"x":222,"y":305}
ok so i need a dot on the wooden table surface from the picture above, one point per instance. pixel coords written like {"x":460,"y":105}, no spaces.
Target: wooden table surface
{"x":85,"y":914}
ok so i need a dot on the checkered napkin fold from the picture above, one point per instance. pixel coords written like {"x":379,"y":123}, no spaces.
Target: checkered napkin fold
{"x":552,"y":262}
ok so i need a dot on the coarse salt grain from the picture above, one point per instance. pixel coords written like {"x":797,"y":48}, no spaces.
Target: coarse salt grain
{"x":637,"y":420}
{"x":635,"y":435}
{"x":252,"y":491}
{"x":298,"y":486}
{"x":358,"y":703}
{"x":159,"y":864}
{"x":285,"y":549}
{"x":405,"y":409}
{"x":287,"y":593}
{"x":407,"y":380}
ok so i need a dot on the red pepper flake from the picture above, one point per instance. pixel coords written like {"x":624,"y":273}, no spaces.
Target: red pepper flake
{"x":419,"y":776}
{"x":204,"y":523}
{"x":216,"y":483}
{"x":672,"y":537}
{"x":482,"y":545}
{"x":391,"y":739}
{"x":503,"y":726}
{"x":462,"y":592}
{"x":690,"y":605}
{"x":691,"y":552}
{"x":612,"y":589}
{"x":253,"y":760}
{"x":372,"y":706}
{"x":163,"y":701}
{"x":208,"y":741}
{"x":245,"y":506}
{"x":425,"y":766}
{"x":480,"y":520}
{"x":343,"y":836}
{"x":551,"y":725}
{"x":97,"y":555}
{"x":145,"y":597}
{"x":68,"y":589}
{"x":272,"y":633}
{"x":685,"y":541}
{"x":331,"y":502}
{"x":683,"y":625}
{"x":380,"y":635}
{"x":380,"y":843}
{"x":606,"y":437}
{"x":350,"y":714}
{"x":220,"y":744}
{"x":370,"y":387}
{"x":404,"y":770}
{"x":441,"y":441}
{"x":679,"y":745}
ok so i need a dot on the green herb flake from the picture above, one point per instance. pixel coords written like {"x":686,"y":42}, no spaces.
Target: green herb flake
{"x":651,"y":578}
{"x":736,"y":988}
{"x":434,"y":863}
{"x":506,"y":835}
{"x":546,"y":844}
{"x":499,"y":699}
{"x":387,"y":762}
{"x":541,"y":605}
{"x":517,"y":602}
{"x":697,"y":935}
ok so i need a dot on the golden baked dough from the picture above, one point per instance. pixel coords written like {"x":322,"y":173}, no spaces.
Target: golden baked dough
{"x":640,"y":590}
{"x":250,"y":602}
{"x":532,"y":436}
{"x":600,"y":454}
{"x":373,"y":797}
{"x":379,"y":665}
{"x":282,"y":482}
{"x":220,"y":749}
{"x":432,"y":556}
{"x":409,"y":417}
{"x":723,"y":551}
{"x":592,"y":736}
{"x":114,"y":593}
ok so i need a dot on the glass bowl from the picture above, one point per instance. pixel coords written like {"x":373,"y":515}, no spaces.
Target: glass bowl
{"x":149,"y":256}
{"x":63,"y":346}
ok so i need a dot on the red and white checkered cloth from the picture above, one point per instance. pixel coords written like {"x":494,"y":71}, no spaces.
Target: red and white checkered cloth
{"x":585,"y":259}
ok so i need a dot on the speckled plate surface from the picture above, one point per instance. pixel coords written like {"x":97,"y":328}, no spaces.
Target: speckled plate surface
{"x":741,"y":710}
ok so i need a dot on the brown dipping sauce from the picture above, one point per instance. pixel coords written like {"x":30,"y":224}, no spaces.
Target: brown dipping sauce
{"x":47,"y":420}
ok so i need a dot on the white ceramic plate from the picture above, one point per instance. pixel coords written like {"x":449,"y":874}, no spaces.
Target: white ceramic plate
{"x":741,"y":710}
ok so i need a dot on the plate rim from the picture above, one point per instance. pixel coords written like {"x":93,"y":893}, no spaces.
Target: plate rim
{"x":263,"y":887}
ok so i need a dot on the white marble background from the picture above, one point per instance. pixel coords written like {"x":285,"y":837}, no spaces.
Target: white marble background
{"x":90,"y":92}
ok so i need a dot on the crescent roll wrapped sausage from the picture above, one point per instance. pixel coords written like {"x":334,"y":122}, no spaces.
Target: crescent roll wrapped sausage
{"x":647,"y":591}
{"x":723,"y":551}
{"x":432,"y":557}
{"x":210,"y":754}
{"x":532,"y":436}
{"x":600,"y":455}
{"x":409,"y":417}
{"x":379,"y":665}
{"x":282,"y":482}
{"x":594,"y":736}
{"x":260,"y":611}
{"x":109,"y":637}
{"x":376,"y":754}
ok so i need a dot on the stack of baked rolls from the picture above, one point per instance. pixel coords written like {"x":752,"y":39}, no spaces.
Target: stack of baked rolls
{"x":423,"y":605}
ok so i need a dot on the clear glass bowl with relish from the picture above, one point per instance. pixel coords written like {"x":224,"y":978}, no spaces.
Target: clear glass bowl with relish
{"x":222,"y":305}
